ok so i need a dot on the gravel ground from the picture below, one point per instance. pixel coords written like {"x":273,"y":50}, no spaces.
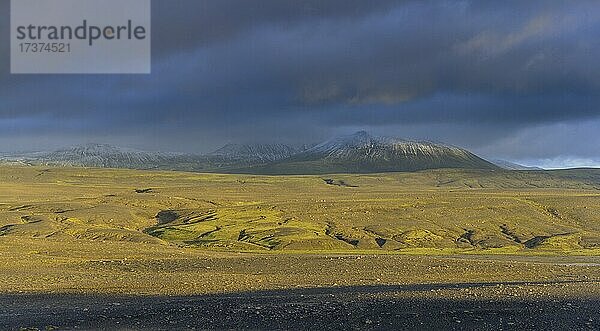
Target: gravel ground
{"x":438,"y":306}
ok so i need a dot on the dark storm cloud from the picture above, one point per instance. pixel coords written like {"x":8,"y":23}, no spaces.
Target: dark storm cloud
{"x":297,"y":71}
{"x":199,"y":23}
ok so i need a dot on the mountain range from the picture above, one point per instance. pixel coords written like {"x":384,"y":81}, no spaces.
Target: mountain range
{"x":356,"y":153}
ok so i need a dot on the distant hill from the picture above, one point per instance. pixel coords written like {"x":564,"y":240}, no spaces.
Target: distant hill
{"x":104,"y":156}
{"x":259,"y":153}
{"x":363,"y":153}
{"x":512,"y":166}
{"x":356,"y":153}
{"x":108,"y":156}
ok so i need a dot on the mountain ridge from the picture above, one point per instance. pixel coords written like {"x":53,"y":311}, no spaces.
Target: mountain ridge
{"x":356,"y":153}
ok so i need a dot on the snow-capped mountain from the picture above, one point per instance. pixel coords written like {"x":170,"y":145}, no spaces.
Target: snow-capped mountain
{"x":363,"y":153}
{"x":363,"y":146}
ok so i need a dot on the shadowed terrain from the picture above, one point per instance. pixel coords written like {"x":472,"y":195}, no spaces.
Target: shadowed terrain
{"x":376,"y":307}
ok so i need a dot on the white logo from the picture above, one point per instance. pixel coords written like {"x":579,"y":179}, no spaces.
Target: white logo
{"x":80,"y":36}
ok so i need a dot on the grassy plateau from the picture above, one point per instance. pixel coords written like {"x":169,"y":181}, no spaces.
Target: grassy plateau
{"x":148,"y":232}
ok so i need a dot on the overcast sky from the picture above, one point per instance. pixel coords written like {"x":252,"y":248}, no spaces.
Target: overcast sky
{"x":517,"y":80}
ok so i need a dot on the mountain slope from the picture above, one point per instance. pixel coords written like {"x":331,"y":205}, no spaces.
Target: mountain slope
{"x":512,"y":166}
{"x":363,"y":153}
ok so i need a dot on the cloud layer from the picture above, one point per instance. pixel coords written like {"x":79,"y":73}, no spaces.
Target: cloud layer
{"x":494,"y":76}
